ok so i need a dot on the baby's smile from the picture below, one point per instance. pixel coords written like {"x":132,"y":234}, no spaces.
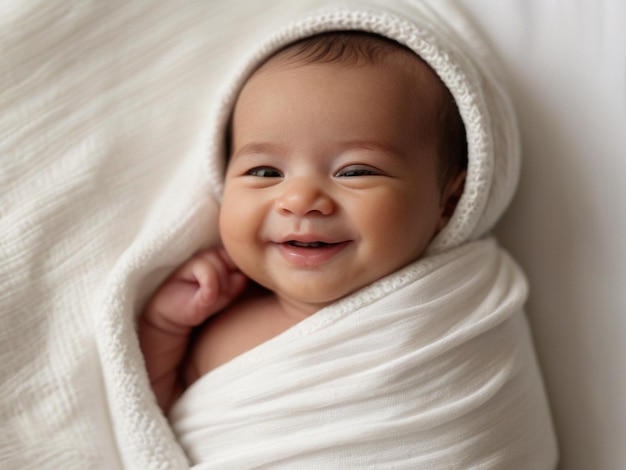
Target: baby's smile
{"x":308,"y":254}
{"x":308,"y":244}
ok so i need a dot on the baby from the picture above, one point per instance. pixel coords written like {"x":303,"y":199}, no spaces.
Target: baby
{"x":347,"y":156}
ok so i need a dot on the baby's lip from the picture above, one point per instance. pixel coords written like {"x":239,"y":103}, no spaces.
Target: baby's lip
{"x":315,"y":244}
{"x":309,"y":240}
{"x":309,"y":253}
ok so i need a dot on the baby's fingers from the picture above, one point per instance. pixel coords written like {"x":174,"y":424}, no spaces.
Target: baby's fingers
{"x":219,"y":280}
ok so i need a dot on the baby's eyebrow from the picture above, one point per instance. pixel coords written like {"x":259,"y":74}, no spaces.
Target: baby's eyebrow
{"x":277,"y":149}
{"x":252,"y":148}
{"x":369,"y":145}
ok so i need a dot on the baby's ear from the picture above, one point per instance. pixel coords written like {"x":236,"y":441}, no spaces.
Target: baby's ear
{"x":450,"y":198}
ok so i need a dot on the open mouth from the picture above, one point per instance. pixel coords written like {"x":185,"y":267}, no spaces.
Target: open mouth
{"x":309,"y":254}
{"x":309,"y":244}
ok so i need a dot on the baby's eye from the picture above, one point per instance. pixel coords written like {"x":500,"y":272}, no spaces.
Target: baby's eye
{"x":358,"y":170}
{"x":264,"y":172}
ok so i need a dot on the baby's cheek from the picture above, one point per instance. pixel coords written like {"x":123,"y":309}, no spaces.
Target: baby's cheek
{"x":228,"y":233}
{"x":238,"y":226}
{"x":233,"y":229}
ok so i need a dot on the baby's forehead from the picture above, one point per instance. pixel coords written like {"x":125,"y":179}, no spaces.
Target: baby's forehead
{"x":357,"y":49}
{"x":405,"y":73}
{"x":386,"y":61}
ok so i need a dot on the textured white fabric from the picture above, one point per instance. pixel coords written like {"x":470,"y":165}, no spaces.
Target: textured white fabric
{"x":431,"y":367}
{"x":107,"y":109}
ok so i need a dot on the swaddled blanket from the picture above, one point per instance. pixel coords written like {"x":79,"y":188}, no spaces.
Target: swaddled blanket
{"x":431,"y":367}
{"x":105,"y":189}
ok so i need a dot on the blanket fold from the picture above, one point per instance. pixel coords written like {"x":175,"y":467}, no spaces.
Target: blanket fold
{"x":410,"y":372}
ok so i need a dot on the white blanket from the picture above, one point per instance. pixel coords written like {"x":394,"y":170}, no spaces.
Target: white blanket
{"x":431,"y":367}
{"x":112,"y":122}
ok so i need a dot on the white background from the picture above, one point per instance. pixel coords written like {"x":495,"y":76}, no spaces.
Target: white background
{"x":566,"y":66}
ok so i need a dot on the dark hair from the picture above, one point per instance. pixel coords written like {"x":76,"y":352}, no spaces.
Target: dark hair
{"x":354,"y":47}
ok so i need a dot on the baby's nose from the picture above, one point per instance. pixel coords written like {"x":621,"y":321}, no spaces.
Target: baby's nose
{"x":302,"y":197}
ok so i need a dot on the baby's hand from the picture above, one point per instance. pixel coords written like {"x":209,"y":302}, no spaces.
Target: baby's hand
{"x":202,"y":286}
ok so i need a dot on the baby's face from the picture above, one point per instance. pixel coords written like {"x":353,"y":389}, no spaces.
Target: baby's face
{"x":332,"y":182}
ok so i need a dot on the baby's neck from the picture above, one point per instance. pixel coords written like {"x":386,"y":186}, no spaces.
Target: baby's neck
{"x":289,"y":309}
